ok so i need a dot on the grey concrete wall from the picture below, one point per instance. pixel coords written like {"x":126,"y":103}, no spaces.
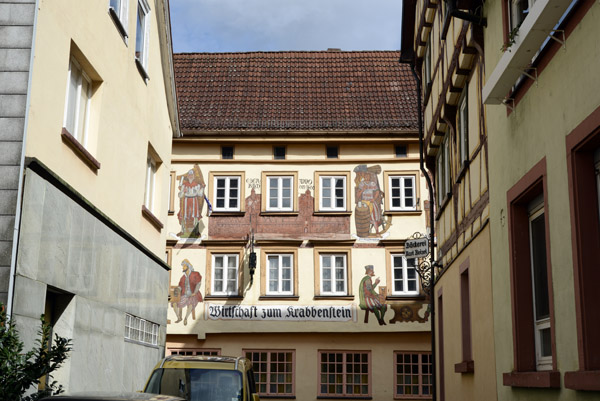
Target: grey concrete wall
{"x":16,"y":32}
{"x":63,"y":246}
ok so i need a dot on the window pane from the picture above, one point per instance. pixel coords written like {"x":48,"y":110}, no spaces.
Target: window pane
{"x":72,"y":98}
{"x":540,"y":274}
{"x":139,"y":33}
{"x":546,"y":342}
{"x":83,"y":100}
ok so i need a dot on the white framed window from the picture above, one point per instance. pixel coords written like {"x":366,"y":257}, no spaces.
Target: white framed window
{"x":402,"y":192}
{"x":280,"y":274}
{"x":332,"y":193}
{"x":539,"y":275}
{"x":79,"y":94}
{"x":142,"y":33}
{"x":120,"y":10}
{"x":151,"y":169}
{"x":225,"y":273}
{"x":405,"y":280}
{"x":334,"y":274}
{"x":463,"y":128}
{"x":227,"y":193}
{"x":279,"y":193}
{"x":140,"y":330}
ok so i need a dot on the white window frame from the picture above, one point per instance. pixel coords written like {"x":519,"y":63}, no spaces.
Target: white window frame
{"x":463,"y":127}
{"x":332,"y":198}
{"x":542,"y":362}
{"x":279,"y":207}
{"x":150,"y":189}
{"x":80,"y":124}
{"x":512,"y":13}
{"x":121,"y":10}
{"x":225,"y":278}
{"x":279,"y":279}
{"x":402,"y":188}
{"x":227,"y":198}
{"x":332,"y":279}
{"x":141,"y":330}
{"x":144,"y":8}
{"x":403,"y":268}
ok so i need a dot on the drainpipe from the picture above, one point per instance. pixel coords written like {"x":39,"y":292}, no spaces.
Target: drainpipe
{"x":431,"y":228}
{"x":16,"y":228}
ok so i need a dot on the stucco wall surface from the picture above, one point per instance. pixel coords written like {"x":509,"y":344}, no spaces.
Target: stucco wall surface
{"x":565,"y":94}
{"x":65,"y":248}
{"x":127,"y":114}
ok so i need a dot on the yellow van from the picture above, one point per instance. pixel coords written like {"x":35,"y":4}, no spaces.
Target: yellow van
{"x":204,"y":378}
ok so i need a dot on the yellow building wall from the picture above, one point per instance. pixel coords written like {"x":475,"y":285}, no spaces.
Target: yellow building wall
{"x":127,"y":114}
{"x":566,"y":93}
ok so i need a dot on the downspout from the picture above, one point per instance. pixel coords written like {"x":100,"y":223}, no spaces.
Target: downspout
{"x":17,"y":225}
{"x":431,"y":228}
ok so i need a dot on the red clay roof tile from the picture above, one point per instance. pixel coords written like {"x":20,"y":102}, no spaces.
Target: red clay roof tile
{"x":287,"y":91}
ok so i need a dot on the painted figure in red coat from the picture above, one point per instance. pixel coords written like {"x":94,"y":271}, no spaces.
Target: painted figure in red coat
{"x":191,"y":200}
{"x":189,"y":285}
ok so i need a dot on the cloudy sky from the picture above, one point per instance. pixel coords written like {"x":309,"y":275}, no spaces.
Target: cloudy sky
{"x":271,"y":25}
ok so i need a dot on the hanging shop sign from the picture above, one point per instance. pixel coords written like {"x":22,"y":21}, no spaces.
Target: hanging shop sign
{"x":416,"y":248}
{"x":338,"y":313}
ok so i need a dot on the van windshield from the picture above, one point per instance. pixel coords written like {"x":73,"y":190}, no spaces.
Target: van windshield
{"x":197,"y":384}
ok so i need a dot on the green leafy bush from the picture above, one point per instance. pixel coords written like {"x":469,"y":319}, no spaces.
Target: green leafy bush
{"x":19,"y":370}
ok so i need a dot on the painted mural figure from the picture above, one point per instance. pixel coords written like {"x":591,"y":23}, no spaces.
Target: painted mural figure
{"x":191,"y":198}
{"x":189,"y":290}
{"x":370,"y":299}
{"x":369,"y":201}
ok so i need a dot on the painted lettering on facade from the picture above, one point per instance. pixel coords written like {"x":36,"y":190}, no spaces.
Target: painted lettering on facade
{"x":280,"y":312}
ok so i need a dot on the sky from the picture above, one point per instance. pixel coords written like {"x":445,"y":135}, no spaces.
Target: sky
{"x":274,"y":25}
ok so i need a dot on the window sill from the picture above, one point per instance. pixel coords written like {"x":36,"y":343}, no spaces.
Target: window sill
{"x":82,"y":152}
{"x":405,"y":298}
{"x":445,"y":201}
{"x":278,"y":297}
{"x":118,"y":24}
{"x":333,"y":297}
{"x":586,"y":380}
{"x":464,"y":367}
{"x":142,"y":70}
{"x":285,"y":397}
{"x":332,"y":213}
{"x":283,"y":213}
{"x":152,"y":218}
{"x":219,"y":213}
{"x":341,"y":397}
{"x":223,"y":297}
{"x":403,"y":212}
{"x":462,"y":171}
{"x":547,"y":379}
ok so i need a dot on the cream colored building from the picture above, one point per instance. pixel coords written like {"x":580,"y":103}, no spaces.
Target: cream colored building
{"x":542,"y":100}
{"x":87,"y":116}
{"x":444,"y":45}
{"x":309,"y":160}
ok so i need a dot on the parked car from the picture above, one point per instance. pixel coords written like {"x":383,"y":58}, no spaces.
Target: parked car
{"x":204,"y":378}
{"x":90,"y":396}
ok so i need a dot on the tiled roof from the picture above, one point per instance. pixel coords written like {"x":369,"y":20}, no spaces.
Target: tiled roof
{"x":287,"y":91}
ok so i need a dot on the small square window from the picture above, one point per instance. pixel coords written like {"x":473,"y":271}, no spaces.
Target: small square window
{"x":333,"y":193}
{"x":345,"y":374}
{"x":334,"y":274}
{"x":413,"y":378}
{"x":274,"y":371}
{"x":280,"y":193}
{"x":404,"y":276}
{"x":332,"y":151}
{"x":227,"y":152}
{"x":279,"y":152}
{"x":280,"y":274}
{"x":227,"y":194}
{"x":225,"y":271}
{"x":400,"y":150}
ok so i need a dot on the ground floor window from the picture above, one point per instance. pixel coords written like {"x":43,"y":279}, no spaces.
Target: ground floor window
{"x":140,"y":330}
{"x":412,"y":376}
{"x":345,"y":373}
{"x":273,"y":371}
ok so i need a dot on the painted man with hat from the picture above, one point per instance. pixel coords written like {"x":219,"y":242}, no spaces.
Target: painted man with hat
{"x":369,"y":298}
{"x":189,"y":286}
